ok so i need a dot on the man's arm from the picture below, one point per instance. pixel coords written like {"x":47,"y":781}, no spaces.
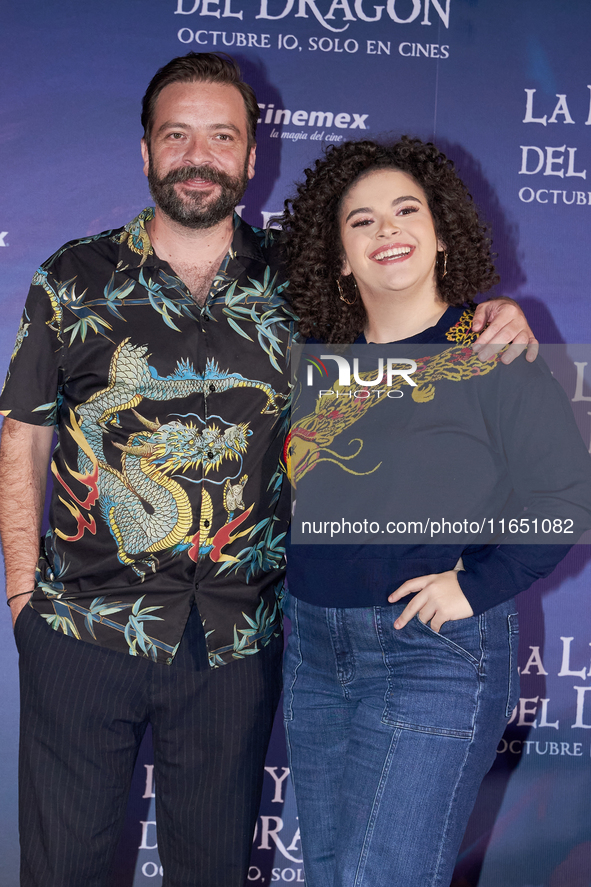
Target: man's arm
{"x":505,"y":322}
{"x":24,"y":456}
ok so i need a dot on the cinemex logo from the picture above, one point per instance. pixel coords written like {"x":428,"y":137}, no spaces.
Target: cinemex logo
{"x":395,"y":366}
{"x":342,"y":119}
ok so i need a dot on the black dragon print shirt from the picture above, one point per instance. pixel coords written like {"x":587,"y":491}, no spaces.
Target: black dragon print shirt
{"x":170,"y":422}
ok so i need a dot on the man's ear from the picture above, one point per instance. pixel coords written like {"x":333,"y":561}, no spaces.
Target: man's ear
{"x":252,"y":155}
{"x":145,"y":155}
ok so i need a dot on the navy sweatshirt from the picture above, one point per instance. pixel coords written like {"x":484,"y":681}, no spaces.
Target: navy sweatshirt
{"x":526,"y":424}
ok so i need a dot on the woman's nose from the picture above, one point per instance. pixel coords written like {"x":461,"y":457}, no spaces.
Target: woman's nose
{"x":388,"y":226}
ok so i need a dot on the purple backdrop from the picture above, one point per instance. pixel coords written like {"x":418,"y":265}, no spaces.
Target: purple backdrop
{"x":503,"y":88}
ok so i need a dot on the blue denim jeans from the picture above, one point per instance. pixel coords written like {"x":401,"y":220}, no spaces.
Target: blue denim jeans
{"x":390,"y":734}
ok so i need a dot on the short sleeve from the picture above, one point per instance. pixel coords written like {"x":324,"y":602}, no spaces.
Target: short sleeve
{"x":31,"y":389}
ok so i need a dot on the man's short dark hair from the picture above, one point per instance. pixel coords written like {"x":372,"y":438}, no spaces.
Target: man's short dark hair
{"x":200,"y":67}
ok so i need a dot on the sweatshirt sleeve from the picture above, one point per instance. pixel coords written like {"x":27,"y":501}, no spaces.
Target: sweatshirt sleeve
{"x":550,"y":470}
{"x":493,"y":574}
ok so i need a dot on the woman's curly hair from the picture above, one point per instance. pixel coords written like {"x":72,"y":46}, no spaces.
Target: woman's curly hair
{"x":313,"y":246}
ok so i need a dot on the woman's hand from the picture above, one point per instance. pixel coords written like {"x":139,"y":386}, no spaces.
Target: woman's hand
{"x":506,"y":324}
{"x":439,"y":599}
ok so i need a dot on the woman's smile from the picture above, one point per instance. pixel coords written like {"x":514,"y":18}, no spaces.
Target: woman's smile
{"x":393,"y":253}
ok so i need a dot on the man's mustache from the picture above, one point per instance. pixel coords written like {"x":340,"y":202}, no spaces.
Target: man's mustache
{"x":209,"y":173}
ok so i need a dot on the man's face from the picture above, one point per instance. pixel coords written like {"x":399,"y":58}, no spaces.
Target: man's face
{"x":198,"y":162}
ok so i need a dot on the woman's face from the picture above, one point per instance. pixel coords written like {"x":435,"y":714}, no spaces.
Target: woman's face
{"x":388,"y":236}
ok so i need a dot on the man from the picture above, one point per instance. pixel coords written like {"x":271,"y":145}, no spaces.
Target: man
{"x":160,"y":351}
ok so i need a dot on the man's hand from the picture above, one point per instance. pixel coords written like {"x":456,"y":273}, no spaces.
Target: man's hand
{"x":439,"y":599}
{"x":506,"y":324}
{"x":17,"y":604}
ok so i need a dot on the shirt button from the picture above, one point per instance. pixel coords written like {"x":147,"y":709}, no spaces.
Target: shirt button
{"x":206,"y":523}
{"x":209,"y":454}
{"x":212,"y":388}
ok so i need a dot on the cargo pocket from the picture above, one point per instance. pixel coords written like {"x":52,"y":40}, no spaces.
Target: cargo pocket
{"x":513,"y":682}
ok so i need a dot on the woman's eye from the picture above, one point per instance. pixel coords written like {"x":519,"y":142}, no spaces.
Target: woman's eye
{"x":408,"y":209}
{"x":361,"y":222}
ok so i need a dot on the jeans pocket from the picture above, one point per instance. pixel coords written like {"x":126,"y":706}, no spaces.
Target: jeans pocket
{"x":513,"y":682}
{"x":462,"y":636}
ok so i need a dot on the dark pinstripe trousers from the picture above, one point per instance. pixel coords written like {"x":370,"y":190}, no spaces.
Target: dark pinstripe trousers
{"x":84,"y":710}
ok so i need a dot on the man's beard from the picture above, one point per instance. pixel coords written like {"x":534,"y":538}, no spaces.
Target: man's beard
{"x":197,"y":210}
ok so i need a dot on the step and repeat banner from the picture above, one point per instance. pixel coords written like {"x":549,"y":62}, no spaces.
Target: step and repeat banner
{"x":505,"y":89}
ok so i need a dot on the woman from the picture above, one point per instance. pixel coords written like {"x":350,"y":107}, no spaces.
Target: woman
{"x":394,"y":706}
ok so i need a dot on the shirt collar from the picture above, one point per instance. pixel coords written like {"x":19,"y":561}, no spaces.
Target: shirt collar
{"x":136,"y":250}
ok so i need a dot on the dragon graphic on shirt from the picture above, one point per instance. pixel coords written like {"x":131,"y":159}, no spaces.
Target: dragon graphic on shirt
{"x":146,"y":508}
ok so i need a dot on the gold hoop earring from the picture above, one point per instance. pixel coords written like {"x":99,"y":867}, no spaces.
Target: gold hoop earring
{"x":342,"y":295}
{"x":444,"y":263}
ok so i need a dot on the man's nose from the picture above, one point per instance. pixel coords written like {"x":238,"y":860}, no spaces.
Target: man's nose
{"x":198,"y":151}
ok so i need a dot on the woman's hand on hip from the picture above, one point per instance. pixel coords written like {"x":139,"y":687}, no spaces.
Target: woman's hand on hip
{"x":438,"y":599}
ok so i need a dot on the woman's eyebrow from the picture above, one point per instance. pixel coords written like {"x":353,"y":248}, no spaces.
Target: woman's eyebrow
{"x":368,"y":209}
